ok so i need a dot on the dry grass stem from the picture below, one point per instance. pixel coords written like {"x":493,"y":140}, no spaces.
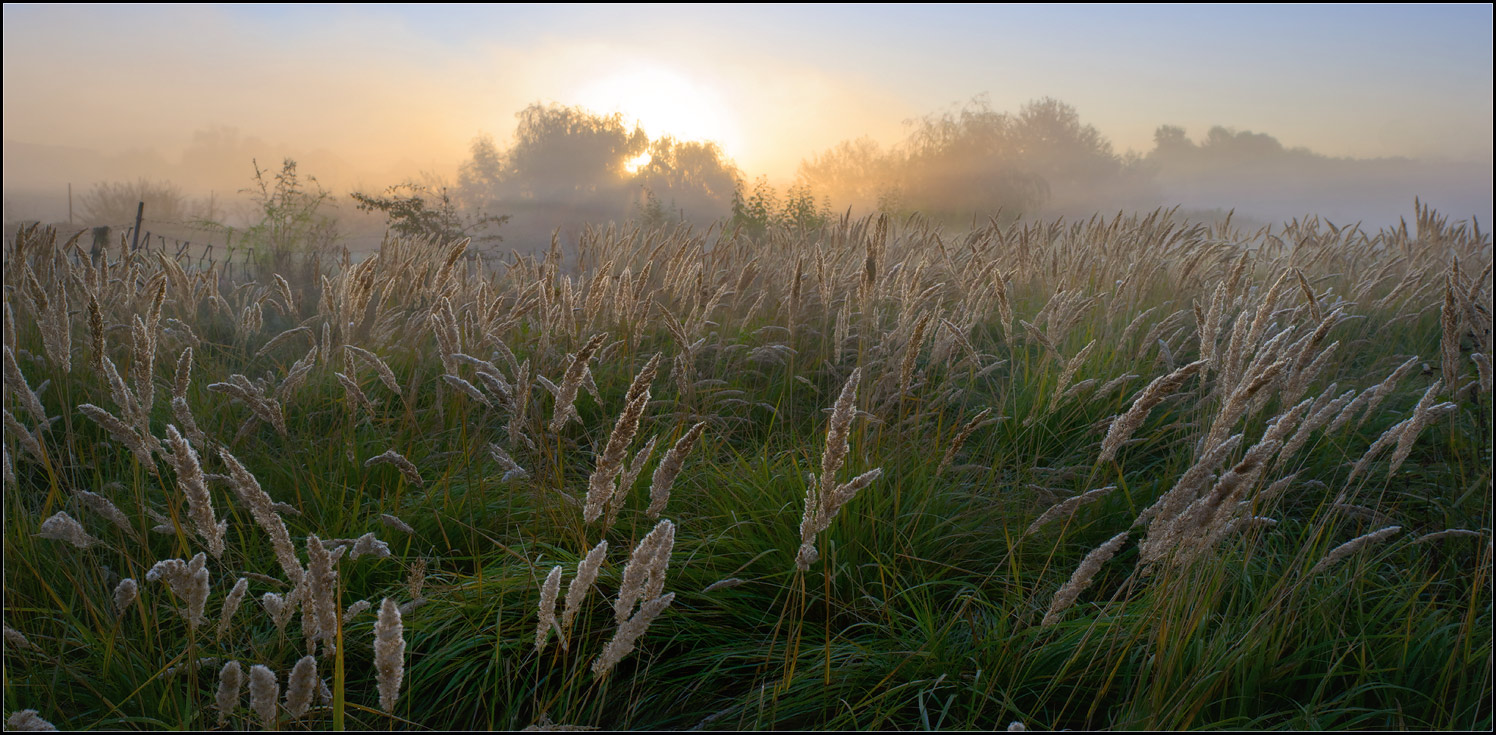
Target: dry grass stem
{"x":1067,"y":508}
{"x":406,"y":468}
{"x":670,"y":466}
{"x":1123,"y":427}
{"x":959,"y":441}
{"x":1081,"y":579}
{"x":195,"y":487}
{"x":549,"y":590}
{"x":1351,"y":547}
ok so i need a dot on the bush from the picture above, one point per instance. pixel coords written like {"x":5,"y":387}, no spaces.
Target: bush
{"x":417,"y":211}
{"x":114,"y":203}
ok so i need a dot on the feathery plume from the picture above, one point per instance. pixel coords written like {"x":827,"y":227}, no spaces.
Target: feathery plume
{"x":1383,"y":389}
{"x":670,"y":466}
{"x":264,"y":690}
{"x":1067,"y":508}
{"x":259,"y":504}
{"x":284,"y":337}
{"x":722,"y":584}
{"x":911,"y":353}
{"x":24,"y":437}
{"x":28,"y":720}
{"x":125,"y":594}
{"x":368,"y":545}
{"x":18,"y":639}
{"x":262,"y":406}
{"x":188,"y":581}
{"x":824,"y":497}
{"x":195,"y":486}
{"x":95,"y":332}
{"x":838,"y":430}
{"x":1068,"y":374}
{"x":1122,"y":428}
{"x":354,"y":394}
{"x":1081,"y":579}
{"x":231,"y":605}
{"x":322,"y":591}
{"x":644,"y":575}
{"x":402,"y":464}
{"x":1450,"y":320}
{"x":300,"y":687}
{"x":389,"y":654}
{"x":961,"y":436}
{"x":15,"y":382}
{"x":1448,"y":533}
{"x":628,"y":634}
{"x":602,"y":485}
{"x":627,"y":477}
{"x":62,"y":527}
{"x":1352,"y":546}
{"x":1423,"y":414}
{"x":511,"y":468}
{"x":576,"y":592}
{"x":468,"y":389}
{"x":415,"y":581}
{"x":122,"y":433}
{"x":396,"y":524}
{"x":355,"y":610}
{"x":230,"y":681}
{"x":281,"y":607}
{"x":386,"y":375}
{"x":548,"y":593}
{"x":566,"y":392}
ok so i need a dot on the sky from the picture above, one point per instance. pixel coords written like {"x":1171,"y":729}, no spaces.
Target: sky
{"x":392,"y":89}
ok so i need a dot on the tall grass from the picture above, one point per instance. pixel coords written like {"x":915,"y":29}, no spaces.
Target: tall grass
{"x":1092,"y":474}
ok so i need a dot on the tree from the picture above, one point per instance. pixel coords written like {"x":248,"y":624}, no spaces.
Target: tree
{"x":566,"y":154}
{"x":569,"y":165}
{"x":1228,"y":144}
{"x":696,"y":177}
{"x":959,"y":163}
{"x":1170,"y":140}
{"x":480,"y":177}
{"x":415,"y":210}
{"x":1052,"y":142}
{"x":854,"y":173}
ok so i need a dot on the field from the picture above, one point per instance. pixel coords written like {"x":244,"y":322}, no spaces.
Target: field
{"x":1129,"y":472}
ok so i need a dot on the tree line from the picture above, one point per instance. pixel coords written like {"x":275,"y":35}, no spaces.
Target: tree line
{"x":567,"y":166}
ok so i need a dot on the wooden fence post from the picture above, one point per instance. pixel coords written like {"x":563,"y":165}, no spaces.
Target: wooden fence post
{"x":135,"y":238}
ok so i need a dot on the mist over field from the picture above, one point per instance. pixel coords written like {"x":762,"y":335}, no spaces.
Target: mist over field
{"x":612,"y":115}
{"x":771,"y":368}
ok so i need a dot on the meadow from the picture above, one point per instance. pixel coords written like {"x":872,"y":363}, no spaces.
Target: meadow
{"x":1126,"y":472}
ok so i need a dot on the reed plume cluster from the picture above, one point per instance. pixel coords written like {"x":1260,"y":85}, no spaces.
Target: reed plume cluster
{"x":1222,"y":401}
{"x":824,"y":496}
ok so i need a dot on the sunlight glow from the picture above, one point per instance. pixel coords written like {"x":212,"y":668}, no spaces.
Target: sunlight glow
{"x":663,"y":102}
{"x":637,"y":162}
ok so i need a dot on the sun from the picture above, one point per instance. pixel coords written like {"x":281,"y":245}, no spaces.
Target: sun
{"x":663,"y":102}
{"x":637,"y":162}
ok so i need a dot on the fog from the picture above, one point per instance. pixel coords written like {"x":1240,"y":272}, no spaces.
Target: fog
{"x":510,"y":125}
